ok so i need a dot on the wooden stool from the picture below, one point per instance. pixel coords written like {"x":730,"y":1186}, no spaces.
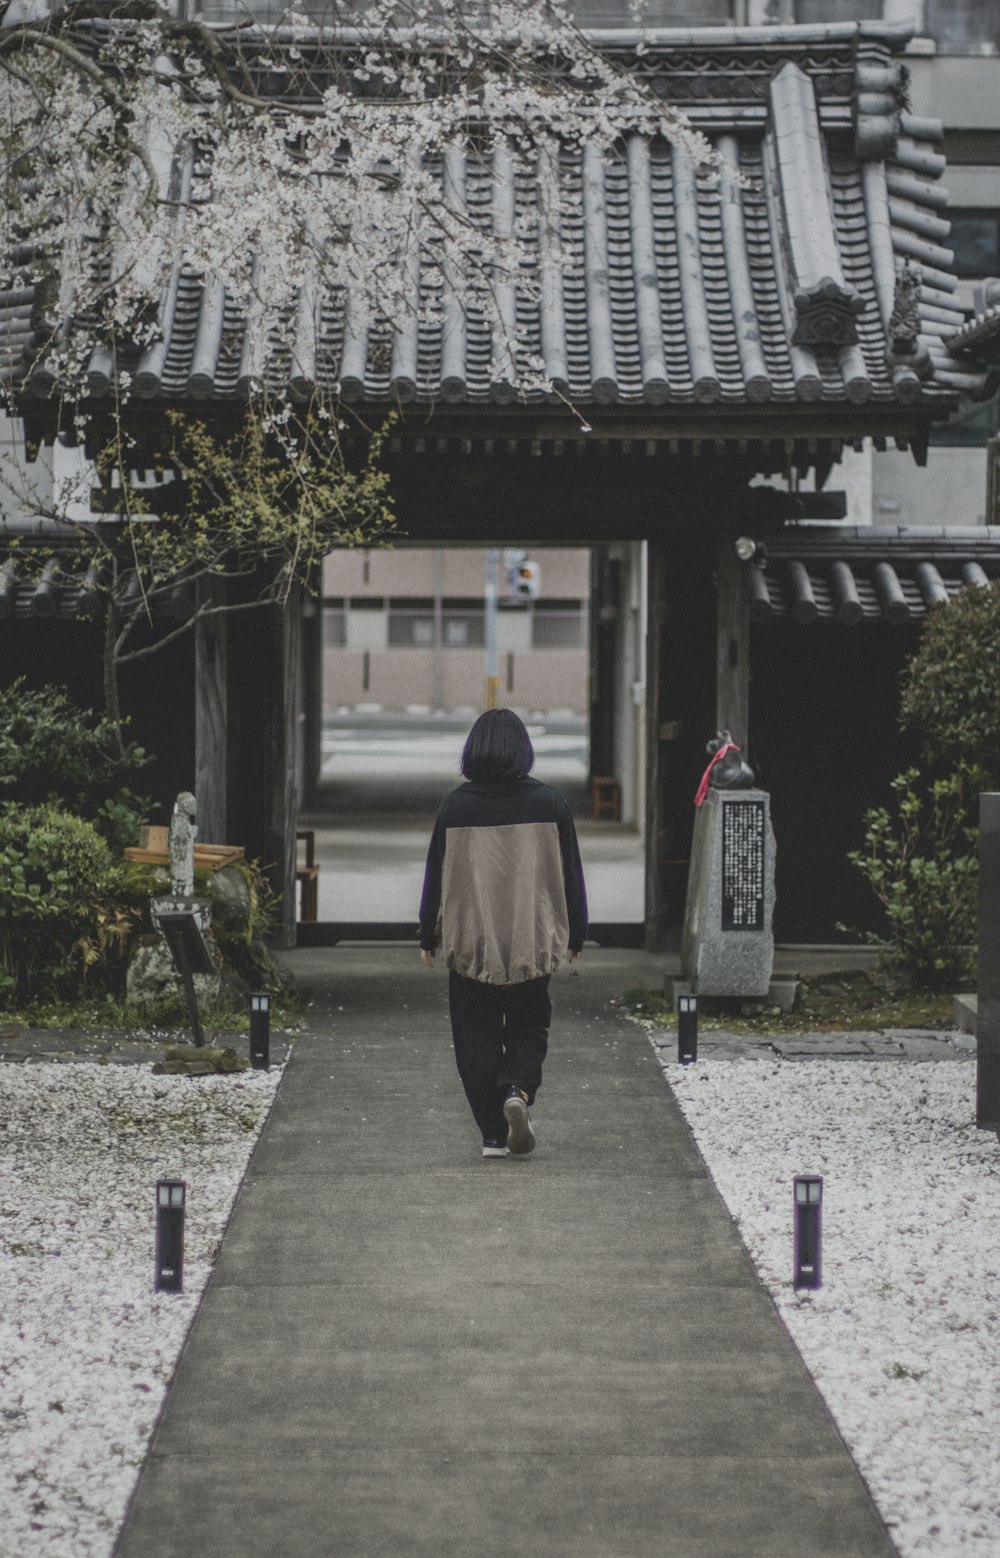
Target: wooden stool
{"x":606,"y":797}
{"x":308,"y":876}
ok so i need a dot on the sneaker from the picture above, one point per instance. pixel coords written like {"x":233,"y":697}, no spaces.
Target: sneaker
{"x":493,"y":1148}
{"x":515,"y":1112}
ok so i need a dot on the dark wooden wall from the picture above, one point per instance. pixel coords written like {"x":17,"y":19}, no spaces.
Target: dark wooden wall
{"x":825,"y":741}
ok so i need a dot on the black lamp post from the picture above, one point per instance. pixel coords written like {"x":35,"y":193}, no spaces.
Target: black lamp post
{"x":808,"y":1261}
{"x":170,"y":1201}
{"x":260,"y":1031}
{"x":687,"y":1029}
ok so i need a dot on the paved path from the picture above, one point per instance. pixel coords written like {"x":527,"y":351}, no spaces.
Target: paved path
{"x":408,"y":1350}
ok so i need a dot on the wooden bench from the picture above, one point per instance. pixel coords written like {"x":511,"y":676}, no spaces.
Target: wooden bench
{"x":153,"y":849}
{"x":606,"y":798}
{"x":307,"y":876}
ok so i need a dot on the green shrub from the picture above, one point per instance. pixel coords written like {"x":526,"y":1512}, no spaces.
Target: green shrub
{"x":56,"y":872}
{"x":51,"y":750}
{"x":949,"y":695}
{"x":921,"y":859}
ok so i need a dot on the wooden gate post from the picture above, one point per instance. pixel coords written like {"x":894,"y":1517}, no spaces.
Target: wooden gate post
{"x":656,"y":610}
{"x":732,"y":659}
{"x":285,"y":773}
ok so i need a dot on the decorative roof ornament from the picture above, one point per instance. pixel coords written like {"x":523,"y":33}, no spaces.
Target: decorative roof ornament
{"x":827,"y":314}
{"x":826,"y":303}
{"x":903,"y":346}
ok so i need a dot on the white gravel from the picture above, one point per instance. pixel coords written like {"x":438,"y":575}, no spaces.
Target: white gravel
{"x":87,"y":1348}
{"x":903,"y":1338}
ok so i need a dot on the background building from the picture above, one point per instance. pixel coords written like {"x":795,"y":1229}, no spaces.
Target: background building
{"x":405,"y":630}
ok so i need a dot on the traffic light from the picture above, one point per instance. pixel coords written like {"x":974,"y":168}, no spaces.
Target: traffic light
{"x":525,"y":580}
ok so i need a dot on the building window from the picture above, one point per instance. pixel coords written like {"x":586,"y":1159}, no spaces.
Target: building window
{"x":464,"y":625}
{"x":410,"y":629}
{"x":654,"y":13}
{"x":334,"y":624}
{"x":975,"y":238}
{"x":963,"y":26}
{"x":465,"y":632}
{"x":972,"y":425}
{"x":557,"y":625}
{"x":838,"y":11}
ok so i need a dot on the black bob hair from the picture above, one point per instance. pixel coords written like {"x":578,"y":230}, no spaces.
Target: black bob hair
{"x":498,"y":749}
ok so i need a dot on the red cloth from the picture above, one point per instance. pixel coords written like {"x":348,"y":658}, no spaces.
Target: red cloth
{"x":706,"y":778}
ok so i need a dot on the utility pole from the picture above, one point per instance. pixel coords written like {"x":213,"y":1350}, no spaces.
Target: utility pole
{"x":492,"y":678}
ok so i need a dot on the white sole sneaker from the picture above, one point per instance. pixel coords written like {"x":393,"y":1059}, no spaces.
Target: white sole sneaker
{"x":522,"y":1137}
{"x":490,"y":1151}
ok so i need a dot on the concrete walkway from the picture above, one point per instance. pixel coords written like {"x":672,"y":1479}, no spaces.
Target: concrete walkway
{"x":408,"y":1350}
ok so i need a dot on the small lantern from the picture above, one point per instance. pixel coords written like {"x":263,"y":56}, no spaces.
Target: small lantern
{"x":808,"y":1261}
{"x":170,"y":1201}
{"x":687,"y":1029}
{"x":260,"y":1031}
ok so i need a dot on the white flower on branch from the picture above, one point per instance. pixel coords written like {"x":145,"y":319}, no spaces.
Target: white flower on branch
{"x":138,"y":146}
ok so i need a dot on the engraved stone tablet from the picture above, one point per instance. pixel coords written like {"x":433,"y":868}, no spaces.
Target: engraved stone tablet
{"x":743,"y":854}
{"x":728,"y":945}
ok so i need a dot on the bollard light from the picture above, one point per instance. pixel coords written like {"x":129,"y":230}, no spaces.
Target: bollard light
{"x":687,"y":1029}
{"x":808,"y":1257}
{"x":260,"y":1031}
{"x":170,"y":1200}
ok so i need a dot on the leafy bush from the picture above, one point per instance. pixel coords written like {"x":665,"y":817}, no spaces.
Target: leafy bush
{"x":51,"y":750}
{"x":950,"y":685}
{"x":57,"y":875}
{"x":921,"y":860}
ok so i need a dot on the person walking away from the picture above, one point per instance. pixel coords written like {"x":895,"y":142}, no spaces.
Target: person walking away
{"x":505,"y":900}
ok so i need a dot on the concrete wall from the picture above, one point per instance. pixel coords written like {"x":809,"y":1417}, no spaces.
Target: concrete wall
{"x":455,"y":571}
{"x":26,"y":488}
{"x":541,"y":681}
{"x":949,"y":490}
{"x":367,"y":670}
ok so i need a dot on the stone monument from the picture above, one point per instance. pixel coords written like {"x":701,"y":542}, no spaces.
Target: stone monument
{"x":728,"y":942}
{"x":181,"y":846}
{"x":182,"y":918}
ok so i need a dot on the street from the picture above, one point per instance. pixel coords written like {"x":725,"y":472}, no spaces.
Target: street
{"x":384,"y":777}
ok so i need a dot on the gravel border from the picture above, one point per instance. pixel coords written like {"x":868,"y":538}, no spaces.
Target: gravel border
{"x":87,"y":1348}
{"x":903,"y":1338}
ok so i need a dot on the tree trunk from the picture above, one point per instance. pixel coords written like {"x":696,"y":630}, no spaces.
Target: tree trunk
{"x":112,"y":702}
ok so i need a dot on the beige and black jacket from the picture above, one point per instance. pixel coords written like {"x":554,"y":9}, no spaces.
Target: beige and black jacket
{"x":504,"y":895}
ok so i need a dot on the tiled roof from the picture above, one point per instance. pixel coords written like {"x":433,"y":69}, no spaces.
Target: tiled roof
{"x":866,"y":574}
{"x":776,"y":282}
{"x":838,"y":574}
{"x":979,"y":337}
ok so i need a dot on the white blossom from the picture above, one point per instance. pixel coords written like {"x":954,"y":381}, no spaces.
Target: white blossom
{"x":137,"y":149}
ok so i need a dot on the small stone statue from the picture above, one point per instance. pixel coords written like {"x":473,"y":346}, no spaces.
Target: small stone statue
{"x":727,"y":770}
{"x":903,"y":328}
{"x":730,"y":769}
{"x":182,"y":837}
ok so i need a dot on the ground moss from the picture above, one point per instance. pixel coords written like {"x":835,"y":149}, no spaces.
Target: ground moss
{"x":831,"y":1003}
{"x":111,"y":1012}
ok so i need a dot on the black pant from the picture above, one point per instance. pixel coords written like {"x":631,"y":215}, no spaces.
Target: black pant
{"x":501,"y":1035}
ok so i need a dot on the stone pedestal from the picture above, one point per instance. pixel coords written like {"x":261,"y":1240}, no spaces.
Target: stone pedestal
{"x":728,"y":944}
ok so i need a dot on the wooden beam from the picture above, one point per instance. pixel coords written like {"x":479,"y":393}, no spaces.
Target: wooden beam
{"x":770,"y":506}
